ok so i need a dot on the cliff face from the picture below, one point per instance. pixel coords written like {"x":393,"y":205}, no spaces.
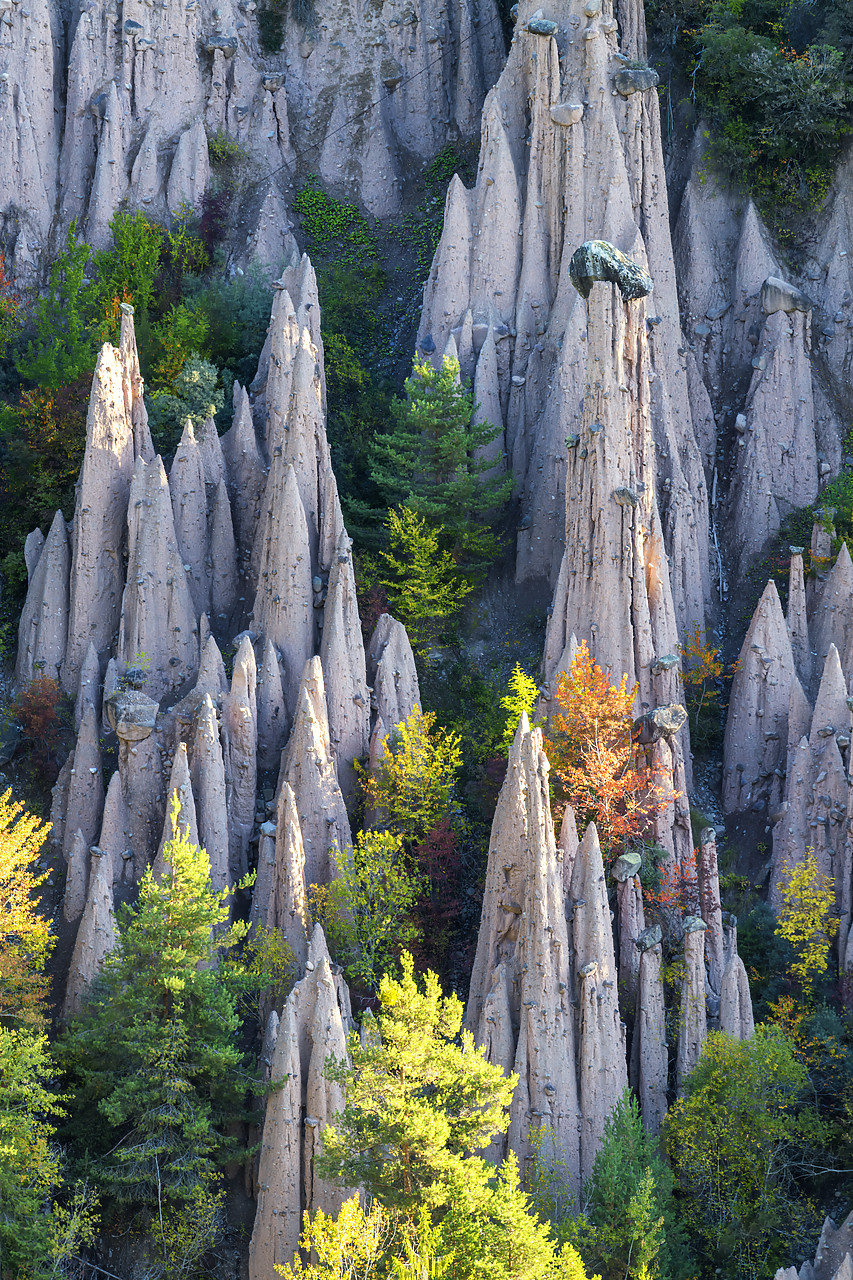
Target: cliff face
{"x":655,"y":451}
{"x":570,"y":152}
{"x":771,"y":352}
{"x":106,"y":104}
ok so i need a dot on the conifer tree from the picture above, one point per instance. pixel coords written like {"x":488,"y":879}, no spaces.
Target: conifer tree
{"x":429,"y":462}
{"x":418,"y":1105}
{"x":629,"y":1229}
{"x":422,"y":580}
{"x":421,"y":1103}
{"x":155,"y":1069}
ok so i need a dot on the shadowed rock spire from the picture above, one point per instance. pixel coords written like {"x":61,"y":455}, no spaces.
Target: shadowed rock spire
{"x":286,"y":908}
{"x":707,"y":875}
{"x":86,"y":787}
{"x":116,"y":838}
{"x":89,"y":691}
{"x":313,"y":1024}
{"x":283,"y":610}
{"x":631,"y":920}
{"x":43,"y":626}
{"x":222,"y":558}
{"x":816,"y":790}
{"x":158,"y":622}
{"x":309,"y":767}
{"x":180,"y":787}
{"x":76,"y":879}
{"x":756,"y":736}
{"x":519,"y":1004}
{"x":96,"y":937}
{"x":649,"y":1059}
{"x":240,"y":728}
{"x":735,"y":1001}
{"x":247,"y":475}
{"x":391,"y":672}
{"x":798,"y":628}
{"x":141,"y":773}
{"x":342,"y":655}
{"x":602,"y":1068}
{"x":273,"y":722}
{"x":103,"y":489}
{"x":207,"y":770}
{"x":692,"y":1020}
{"x":832,"y":615}
{"x":189,"y":511}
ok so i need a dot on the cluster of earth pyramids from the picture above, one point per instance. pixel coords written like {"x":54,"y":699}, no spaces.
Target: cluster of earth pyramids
{"x":244,"y":540}
{"x":606,"y":428}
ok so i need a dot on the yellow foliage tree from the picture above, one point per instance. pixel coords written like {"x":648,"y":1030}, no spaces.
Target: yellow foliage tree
{"x":805,"y":920}
{"x":25,"y":937}
{"x":414,"y":782}
{"x":352,"y":1246}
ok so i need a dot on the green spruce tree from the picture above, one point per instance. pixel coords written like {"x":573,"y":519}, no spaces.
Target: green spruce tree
{"x":432,"y":461}
{"x":629,"y":1229}
{"x":422,"y":579}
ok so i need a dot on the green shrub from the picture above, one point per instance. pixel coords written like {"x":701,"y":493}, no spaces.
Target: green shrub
{"x":196,"y":394}
{"x":62,"y":348}
{"x":739,"y":1141}
{"x":127,"y":271}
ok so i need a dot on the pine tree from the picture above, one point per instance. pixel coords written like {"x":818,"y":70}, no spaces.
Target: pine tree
{"x":418,"y":1104}
{"x":429,"y":462}
{"x":155,"y":1068}
{"x":421,"y":1103}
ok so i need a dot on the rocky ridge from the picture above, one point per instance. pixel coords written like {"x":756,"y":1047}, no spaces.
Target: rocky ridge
{"x":110,"y":105}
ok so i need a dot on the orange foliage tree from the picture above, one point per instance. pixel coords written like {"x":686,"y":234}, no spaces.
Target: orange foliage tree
{"x":594,"y":758}
{"x":37,"y":709}
{"x":10,"y":308}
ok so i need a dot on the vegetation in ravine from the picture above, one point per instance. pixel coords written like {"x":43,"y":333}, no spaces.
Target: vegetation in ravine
{"x":774,"y":83}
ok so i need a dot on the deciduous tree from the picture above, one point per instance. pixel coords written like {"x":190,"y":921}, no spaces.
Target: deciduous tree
{"x":372,"y":898}
{"x":520,"y":698}
{"x":32,"y":1239}
{"x":594,"y":759}
{"x":25,"y":934}
{"x":805,"y":918}
{"x":413,"y":784}
{"x":736,"y":1142}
